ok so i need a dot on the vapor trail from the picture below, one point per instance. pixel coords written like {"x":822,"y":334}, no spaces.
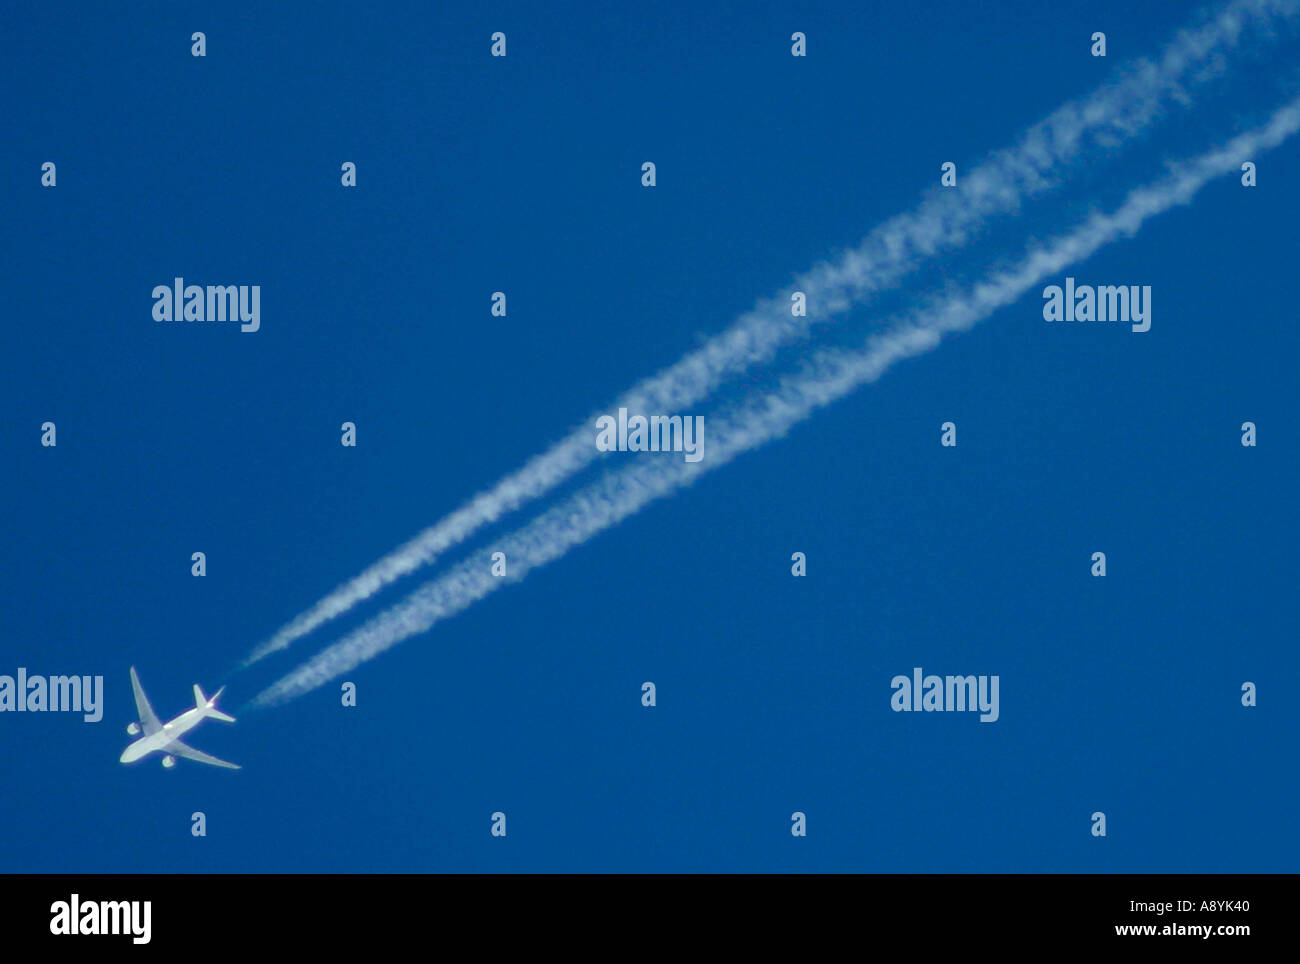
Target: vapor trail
{"x":1106,"y":119}
{"x":828,"y":376}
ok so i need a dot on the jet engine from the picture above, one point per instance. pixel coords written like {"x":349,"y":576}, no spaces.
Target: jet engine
{"x":169,"y":762}
{"x":133,"y":728}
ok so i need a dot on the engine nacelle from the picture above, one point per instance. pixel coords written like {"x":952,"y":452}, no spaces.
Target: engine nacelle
{"x":133,"y":728}
{"x":169,"y":762}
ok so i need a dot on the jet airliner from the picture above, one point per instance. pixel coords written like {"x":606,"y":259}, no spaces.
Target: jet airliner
{"x":165,"y":738}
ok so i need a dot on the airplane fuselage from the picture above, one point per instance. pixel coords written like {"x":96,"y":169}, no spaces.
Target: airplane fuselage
{"x":170,"y":732}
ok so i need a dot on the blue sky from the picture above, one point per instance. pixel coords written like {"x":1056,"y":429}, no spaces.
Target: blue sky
{"x":478,"y":174}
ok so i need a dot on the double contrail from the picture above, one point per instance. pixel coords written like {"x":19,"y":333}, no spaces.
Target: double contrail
{"x":945,"y":221}
{"x":826,"y":377}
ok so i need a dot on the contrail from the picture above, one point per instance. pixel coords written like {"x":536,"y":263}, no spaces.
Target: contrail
{"x":945,"y":220}
{"x":828,"y":376}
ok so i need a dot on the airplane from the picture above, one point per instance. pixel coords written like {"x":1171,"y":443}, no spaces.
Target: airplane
{"x":165,"y":737}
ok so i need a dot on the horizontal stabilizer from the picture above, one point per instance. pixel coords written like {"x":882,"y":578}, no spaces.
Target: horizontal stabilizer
{"x":206,"y":705}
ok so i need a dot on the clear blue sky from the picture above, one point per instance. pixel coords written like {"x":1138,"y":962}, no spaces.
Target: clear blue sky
{"x":475,"y":175}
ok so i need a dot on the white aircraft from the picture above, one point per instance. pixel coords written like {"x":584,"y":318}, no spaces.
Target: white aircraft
{"x":166,"y":737}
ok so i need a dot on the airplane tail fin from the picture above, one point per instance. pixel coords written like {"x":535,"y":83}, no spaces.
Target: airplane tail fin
{"x":208,"y":707}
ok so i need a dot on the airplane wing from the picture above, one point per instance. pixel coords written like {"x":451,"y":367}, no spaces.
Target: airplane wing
{"x":148,"y":719}
{"x":178,"y":748}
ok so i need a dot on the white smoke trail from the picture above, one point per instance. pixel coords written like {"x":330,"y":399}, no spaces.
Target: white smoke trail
{"x":1106,"y":119}
{"x":830,"y":375}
